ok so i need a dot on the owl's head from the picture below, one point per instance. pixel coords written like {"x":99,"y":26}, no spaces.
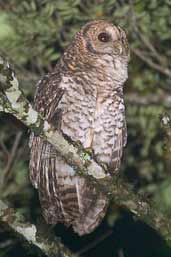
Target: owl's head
{"x":102,"y":37}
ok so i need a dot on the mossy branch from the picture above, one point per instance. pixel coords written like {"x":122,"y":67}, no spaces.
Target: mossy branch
{"x":28,"y":233}
{"x":13,"y":101}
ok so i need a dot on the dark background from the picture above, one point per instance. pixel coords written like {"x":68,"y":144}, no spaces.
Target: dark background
{"x":33,"y":34}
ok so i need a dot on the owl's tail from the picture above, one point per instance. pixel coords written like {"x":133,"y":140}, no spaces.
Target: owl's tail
{"x":64,"y":196}
{"x":95,"y":206}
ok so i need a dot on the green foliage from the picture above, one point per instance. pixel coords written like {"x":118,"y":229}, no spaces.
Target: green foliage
{"x":34,"y":33}
{"x":163,"y":196}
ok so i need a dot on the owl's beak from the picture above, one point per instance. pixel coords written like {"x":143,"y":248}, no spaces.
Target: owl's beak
{"x":118,"y":47}
{"x":121,"y":47}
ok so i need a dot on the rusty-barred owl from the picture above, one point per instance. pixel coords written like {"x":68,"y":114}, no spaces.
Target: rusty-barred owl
{"x":83,"y":98}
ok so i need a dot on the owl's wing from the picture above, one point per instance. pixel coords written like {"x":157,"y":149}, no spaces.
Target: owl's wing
{"x":48,"y":94}
{"x":120,"y":140}
{"x":43,"y":154}
{"x":64,"y":197}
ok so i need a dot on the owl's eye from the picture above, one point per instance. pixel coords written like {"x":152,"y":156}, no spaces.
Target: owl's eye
{"x":104,"y":37}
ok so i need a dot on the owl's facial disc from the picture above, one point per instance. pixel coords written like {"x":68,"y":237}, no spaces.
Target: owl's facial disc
{"x":104,"y":38}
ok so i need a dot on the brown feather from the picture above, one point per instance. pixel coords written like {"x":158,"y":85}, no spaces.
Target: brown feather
{"x":83,"y":99}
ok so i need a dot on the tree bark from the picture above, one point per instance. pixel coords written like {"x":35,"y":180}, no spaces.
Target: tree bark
{"x":28,"y":233}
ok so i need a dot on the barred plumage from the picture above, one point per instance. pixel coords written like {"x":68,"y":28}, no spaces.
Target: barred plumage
{"x":83,"y":98}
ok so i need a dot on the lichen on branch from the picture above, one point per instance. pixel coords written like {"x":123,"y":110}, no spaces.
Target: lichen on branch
{"x":28,"y":233}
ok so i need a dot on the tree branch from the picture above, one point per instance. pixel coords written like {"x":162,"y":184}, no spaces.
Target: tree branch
{"x":28,"y":233}
{"x":161,"y":64}
{"x":150,"y":99}
{"x":164,"y":70}
{"x":13,"y":101}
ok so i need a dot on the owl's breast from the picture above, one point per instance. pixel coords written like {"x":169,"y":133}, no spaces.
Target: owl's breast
{"x":93,"y":118}
{"x":107,"y":128}
{"x":78,"y":105}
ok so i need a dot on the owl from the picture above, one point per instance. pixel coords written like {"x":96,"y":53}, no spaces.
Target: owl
{"x":83,"y":99}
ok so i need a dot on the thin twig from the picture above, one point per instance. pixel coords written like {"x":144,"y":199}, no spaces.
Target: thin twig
{"x":11,"y":159}
{"x":153,"y":65}
{"x":4,"y":148}
{"x":154,"y":52}
{"x":161,"y":65}
{"x":7,"y":243}
{"x":150,"y":99}
{"x":120,"y":253}
{"x":94,"y":243}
